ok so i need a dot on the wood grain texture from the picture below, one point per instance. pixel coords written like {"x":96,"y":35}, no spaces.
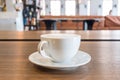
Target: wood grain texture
{"x":14,"y":63}
{"x":94,"y":35}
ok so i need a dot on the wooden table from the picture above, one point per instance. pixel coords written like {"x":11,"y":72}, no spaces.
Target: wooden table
{"x":51,"y":23}
{"x":87,"y":23}
{"x":103,"y":46}
{"x":14,"y":63}
{"x":94,"y":35}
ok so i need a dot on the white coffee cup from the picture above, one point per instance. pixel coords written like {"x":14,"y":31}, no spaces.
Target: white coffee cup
{"x":59,"y":47}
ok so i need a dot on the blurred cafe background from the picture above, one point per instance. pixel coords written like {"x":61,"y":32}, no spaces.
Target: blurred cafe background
{"x":26,"y":15}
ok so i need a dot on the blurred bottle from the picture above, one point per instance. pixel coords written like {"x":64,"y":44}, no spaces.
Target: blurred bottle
{"x":4,"y":9}
{"x":33,"y":18}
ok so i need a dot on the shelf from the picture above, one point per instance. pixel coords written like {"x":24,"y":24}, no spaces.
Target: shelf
{"x":29,"y":25}
{"x":28,"y":5}
{"x":30,"y":12}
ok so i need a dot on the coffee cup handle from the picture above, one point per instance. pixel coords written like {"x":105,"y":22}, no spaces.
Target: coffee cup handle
{"x":41,"y":50}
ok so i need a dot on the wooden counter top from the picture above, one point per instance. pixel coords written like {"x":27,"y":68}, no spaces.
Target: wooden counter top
{"x":94,"y":35}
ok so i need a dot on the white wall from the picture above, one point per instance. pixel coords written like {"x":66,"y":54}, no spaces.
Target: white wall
{"x":94,"y":7}
{"x":115,"y":9}
{"x":62,"y":7}
{"x":11,"y":20}
{"x":119,"y":7}
{"x":83,"y":9}
{"x":9,"y":5}
{"x":100,"y":8}
{"x":47,"y":7}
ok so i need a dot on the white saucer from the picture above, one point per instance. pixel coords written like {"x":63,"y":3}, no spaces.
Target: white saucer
{"x":81,"y":58}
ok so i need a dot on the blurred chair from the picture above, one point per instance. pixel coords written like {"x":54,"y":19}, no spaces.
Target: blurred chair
{"x":88,"y":24}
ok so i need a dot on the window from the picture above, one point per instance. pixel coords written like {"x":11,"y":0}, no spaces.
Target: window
{"x":88,"y":8}
{"x":55,"y":7}
{"x":107,"y":7}
{"x":70,"y":6}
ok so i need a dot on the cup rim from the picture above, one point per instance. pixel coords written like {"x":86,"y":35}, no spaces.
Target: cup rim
{"x":60,"y":36}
